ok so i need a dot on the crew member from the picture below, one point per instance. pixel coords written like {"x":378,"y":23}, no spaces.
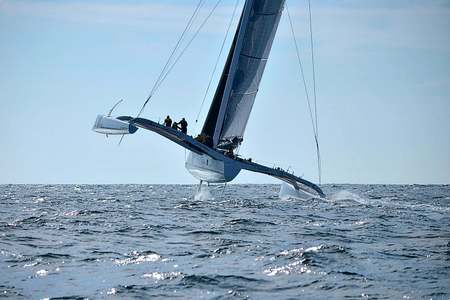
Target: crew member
{"x":175,"y":126}
{"x":183,"y":125}
{"x":168,"y":121}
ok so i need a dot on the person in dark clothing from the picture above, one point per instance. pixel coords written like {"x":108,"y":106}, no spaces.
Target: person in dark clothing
{"x":168,"y":121}
{"x":175,"y":126}
{"x":183,"y":125}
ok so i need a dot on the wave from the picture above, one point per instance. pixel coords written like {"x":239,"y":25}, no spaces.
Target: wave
{"x":137,"y":257}
{"x":159,"y":276}
{"x":204,"y":232}
{"x":223,"y":281}
{"x":249,"y":222}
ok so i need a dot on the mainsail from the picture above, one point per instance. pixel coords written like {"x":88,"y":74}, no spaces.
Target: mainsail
{"x":239,"y":83}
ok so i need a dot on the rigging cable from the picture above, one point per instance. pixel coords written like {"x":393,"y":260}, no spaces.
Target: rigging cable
{"x":218,"y":60}
{"x":313,"y":63}
{"x":181,"y":38}
{"x":313,"y":118}
{"x":189,"y":43}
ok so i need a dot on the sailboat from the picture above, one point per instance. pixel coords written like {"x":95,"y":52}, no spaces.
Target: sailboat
{"x":212,"y":157}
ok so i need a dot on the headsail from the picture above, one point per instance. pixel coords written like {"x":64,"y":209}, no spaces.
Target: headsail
{"x":235,"y":95}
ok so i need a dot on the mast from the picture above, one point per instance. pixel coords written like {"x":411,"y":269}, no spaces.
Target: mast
{"x":239,"y":83}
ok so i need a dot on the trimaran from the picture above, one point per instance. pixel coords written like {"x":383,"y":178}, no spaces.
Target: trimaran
{"x":211,"y":155}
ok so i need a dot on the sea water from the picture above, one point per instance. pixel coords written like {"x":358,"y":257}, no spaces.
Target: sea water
{"x":242,"y":241}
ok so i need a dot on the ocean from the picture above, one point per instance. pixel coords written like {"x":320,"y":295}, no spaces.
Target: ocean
{"x":238,"y":242}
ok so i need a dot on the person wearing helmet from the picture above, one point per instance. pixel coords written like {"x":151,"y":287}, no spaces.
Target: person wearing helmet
{"x":168,"y":121}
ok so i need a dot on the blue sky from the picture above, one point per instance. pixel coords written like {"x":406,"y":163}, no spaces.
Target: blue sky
{"x":383,"y":90}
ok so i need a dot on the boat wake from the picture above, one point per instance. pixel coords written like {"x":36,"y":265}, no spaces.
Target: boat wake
{"x":287,"y":192}
{"x":344,"y":195}
{"x":203,"y":194}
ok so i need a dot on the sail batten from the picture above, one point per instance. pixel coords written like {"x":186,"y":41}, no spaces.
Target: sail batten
{"x":253,"y":57}
{"x":244,"y":70}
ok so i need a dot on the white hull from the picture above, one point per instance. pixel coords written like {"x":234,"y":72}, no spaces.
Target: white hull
{"x":112,"y":126}
{"x":206,"y":168}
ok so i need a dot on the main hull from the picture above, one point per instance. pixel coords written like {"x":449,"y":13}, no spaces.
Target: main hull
{"x":205,"y":168}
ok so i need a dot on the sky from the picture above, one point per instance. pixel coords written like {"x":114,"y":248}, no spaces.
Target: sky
{"x":383,"y":90}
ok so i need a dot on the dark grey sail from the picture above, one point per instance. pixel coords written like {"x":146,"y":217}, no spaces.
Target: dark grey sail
{"x":211,"y":120}
{"x":235,"y":95}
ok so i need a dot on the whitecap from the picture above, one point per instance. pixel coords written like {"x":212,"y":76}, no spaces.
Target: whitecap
{"x":314,"y":249}
{"x":296,"y":267}
{"x":38,"y":200}
{"x":361,"y":222}
{"x":290,"y":252}
{"x":138,"y":259}
{"x":159,"y":276}
{"x":30,"y":264}
{"x":300,"y":251}
{"x":42,"y":273}
{"x":72,"y":213}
